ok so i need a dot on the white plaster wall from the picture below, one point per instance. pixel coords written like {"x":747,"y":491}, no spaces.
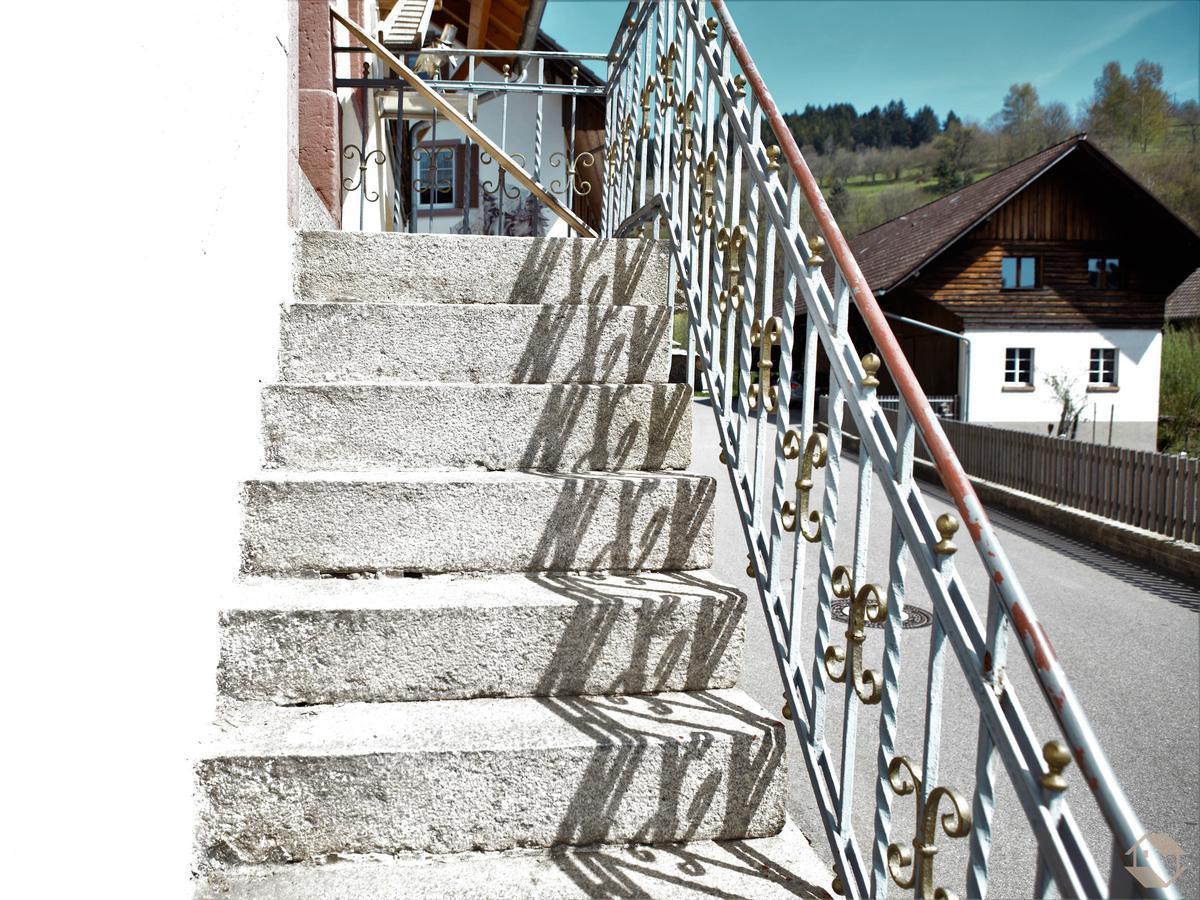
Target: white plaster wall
{"x":143,"y":277}
{"x":1065,"y":353}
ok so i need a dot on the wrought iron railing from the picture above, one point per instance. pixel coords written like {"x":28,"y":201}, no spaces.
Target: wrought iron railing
{"x":697,"y":153}
{"x":454,"y":88}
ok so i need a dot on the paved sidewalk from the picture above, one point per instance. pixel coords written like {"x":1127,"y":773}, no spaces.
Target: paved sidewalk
{"x":1128,"y":637}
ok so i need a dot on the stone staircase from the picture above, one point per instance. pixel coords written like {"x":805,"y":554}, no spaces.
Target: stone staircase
{"x":474,"y":651}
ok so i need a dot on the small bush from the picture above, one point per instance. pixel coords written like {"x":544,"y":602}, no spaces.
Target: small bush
{"x":1179,"y":396}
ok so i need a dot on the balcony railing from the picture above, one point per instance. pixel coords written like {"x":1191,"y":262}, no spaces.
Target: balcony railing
{"x":400,"y":182}
{"x":697,"y":154}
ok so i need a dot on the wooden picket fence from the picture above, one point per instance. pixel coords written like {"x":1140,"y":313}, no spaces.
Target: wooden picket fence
{"x":1154,"y":491}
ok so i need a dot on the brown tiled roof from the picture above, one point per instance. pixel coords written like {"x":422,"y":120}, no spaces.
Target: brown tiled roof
{"x":888,"y":253}
{"x":1184,"y":302}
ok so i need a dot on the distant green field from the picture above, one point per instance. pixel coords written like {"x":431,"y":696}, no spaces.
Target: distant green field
{"x":867,"y":189}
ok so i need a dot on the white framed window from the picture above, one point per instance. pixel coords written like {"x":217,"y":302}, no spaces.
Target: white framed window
{"x":1102,"y":367}
{"x":1018,"y":273}
{"x":436,"y":176}
{"x":1018,"y":366}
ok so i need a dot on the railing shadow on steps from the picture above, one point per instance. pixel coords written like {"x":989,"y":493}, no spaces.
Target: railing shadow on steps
{"x":544,"y":255}
{"x":600,"y":597}
{"x":598,"y":362}
{"x":691,"y":158}
{"x":667,"y":828}
{"x":665,"y":539}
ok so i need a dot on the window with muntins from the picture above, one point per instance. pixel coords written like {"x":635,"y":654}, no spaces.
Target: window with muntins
{"x":435,"y":176}
{"x":1018,"y":273}
{"x":1018,"y":365}
{"x":1104,"y":272}
{"x":1102,"y":368}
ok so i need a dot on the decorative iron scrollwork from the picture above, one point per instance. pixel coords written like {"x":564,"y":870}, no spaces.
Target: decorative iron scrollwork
{"x":350,"y":185}
{"x":731,"y":241}
{"x":647,"y":97}
{"x":494,"y":187}
{"x":666,"y":68}
{"x":767,"y":336}
{"x":866,"y":604}
{"x":816,"y":453}
{"x":704,"y":172}
{"x":903,"y":778}
{"x":685,"y":111}
{"x":626,"y":133}
{"x":571,"y":176}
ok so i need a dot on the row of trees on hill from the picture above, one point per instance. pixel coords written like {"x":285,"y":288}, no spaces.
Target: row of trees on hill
{"x":840,"y":126}
{"x":881,"y":163}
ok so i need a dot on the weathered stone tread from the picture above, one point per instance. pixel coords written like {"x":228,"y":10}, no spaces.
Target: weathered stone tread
{"x":448,"y":521}
{"x":782,"y":867}
{"x":475,"y":342}
{"x":336,"y":640}
{"x":422,"y":268}
{"x":564,"y":428}
{"x":286,"y":784}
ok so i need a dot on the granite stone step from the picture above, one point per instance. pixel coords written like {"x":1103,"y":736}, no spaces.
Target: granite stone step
{"x":501,"y":343}
{"x":423,"y":268}
{"x":336,"y":640}
{"x":782,"y":867}
{"x":289,"y":784}
{"x":309,"y":523}
{"x":566,"y":428}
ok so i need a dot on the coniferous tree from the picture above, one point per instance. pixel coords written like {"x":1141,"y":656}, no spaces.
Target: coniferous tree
{"x":924,"y":126}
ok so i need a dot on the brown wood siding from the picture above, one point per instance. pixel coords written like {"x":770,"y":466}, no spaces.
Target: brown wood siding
{"x":966,"y":283}
{"x":1056,"y":207}
{"x":1074,"y":212}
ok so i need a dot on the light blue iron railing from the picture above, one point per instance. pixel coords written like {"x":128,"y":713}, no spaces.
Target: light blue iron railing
{"x":750,"y":237}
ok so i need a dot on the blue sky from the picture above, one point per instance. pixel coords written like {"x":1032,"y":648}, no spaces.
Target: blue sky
{"x":951,"y":55}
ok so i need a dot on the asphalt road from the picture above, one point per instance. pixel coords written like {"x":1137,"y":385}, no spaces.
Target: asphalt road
{"x":1128,"y":637}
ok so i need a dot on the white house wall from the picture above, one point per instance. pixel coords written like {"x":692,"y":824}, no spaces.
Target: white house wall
{"x":1133,"y":407}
